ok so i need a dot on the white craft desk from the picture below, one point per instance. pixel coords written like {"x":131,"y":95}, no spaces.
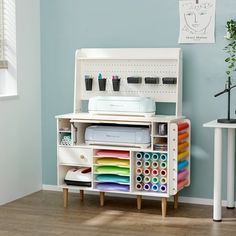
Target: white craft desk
{"x":218,"y":166}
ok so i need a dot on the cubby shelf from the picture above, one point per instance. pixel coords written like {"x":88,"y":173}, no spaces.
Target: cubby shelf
{"x":164,"y":134}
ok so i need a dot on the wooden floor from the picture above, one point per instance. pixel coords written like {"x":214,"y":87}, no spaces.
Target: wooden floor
{"x":42,"y":213}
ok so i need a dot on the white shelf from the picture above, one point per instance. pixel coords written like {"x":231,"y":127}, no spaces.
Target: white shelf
{"x":123,"y":63}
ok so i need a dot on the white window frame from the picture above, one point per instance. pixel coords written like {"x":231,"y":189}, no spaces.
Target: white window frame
{"x":3,"y":61}
{"x":8,"y":60}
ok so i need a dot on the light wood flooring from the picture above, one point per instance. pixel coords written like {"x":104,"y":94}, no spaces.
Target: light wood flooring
{"x":42,"y":213}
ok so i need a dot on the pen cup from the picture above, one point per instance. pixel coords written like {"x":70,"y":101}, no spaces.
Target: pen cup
{"x":102,"y":84}
{"x":88,"y":83}
{"x":116,"y":84}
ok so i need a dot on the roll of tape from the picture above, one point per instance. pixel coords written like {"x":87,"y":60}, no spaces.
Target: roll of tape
{"x":163,"y":157}
{"x":139,"y":163}
{"x":147,"y":179}
{"x":147,"y":156}
{"x":155,"y":164}
{"x":155,"y":156}
{"x":139,"y":155}
{"x":163,"y":180}
{"x":163,"y":165}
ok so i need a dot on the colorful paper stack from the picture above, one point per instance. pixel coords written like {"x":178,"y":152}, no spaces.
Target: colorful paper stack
{"x":112,"y":170}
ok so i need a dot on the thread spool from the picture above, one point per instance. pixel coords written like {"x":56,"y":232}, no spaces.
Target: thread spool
{"x":139,"y":171}
{"x":163,"y":180}
{"x":139,"y":155}
{"x":182,"y":126}
{"x":155,"y":156}
{"x":139,"y":163}
{"x":147,"y":179}
{"x":163,"y":157}
{"x":139,"y":178}
{"x":155,"y":180}
{"x":155,"y":172}
{"x":155,"y":187}
{"x":163,"y":188}
{"x":163,"y":172}
{"x":182,"y":183}
{"x":147,"y":186}
{"x":182,"y":164}
{"x":147,"y":156}
{"x":163,"y":165}
{"x":155,"y":164}
{"x":139,"y":186}
{"x":147,"y":164}
{"x":182,"y":174}
{"x":147,"y":171}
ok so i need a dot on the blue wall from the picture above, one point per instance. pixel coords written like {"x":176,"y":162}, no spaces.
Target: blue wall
{"x":72,"y":24}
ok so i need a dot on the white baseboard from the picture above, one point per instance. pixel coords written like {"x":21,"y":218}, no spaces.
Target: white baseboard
{"x":192,"y":200}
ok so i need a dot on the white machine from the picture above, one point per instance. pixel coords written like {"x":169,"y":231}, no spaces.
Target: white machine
{"x":118,"y":135}
{"x":141,"y":106}
{"x":80,"y":176}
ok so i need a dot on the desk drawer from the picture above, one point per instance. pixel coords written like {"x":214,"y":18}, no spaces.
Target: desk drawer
{"x":75,"y":156}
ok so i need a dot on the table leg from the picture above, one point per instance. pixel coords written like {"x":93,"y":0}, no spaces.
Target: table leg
{"x":230,"y":169}
{"x":65,"y":197}
{"x":217,"y":174}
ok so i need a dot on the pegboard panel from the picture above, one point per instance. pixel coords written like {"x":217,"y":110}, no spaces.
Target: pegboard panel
{"x":158,"y":65}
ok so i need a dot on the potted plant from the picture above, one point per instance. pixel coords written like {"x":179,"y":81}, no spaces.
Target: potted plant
{"x":230,"y":60}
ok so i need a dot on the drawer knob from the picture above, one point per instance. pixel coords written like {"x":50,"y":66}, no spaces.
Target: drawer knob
{"x":82,"y":157}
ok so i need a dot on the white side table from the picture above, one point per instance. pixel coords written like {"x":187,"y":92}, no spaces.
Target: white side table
{"x":218,"y":166}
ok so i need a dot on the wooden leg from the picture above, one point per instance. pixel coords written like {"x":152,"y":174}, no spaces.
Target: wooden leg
{"x":65,"y":197}
{"x":102,"y":197}
{"x":176,"y":197}
{"x":163,"y":206}
{"x":139,"y":202}
{"x":81,"y":195}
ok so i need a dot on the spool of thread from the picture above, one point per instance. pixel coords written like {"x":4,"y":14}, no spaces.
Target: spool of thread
{"x":182,"y":126}
{"x":163,"y":180}
{"x":139,"y":178}
{"x":147,"y":179}
{"x":182,"y":136}
{"x":182,"y":155}
{"x":139,"y":155}
{"x":139,"y":186}
{"x":147,"y":186}
{"x":147,"y":156}
{"x":163,"y":188}
{"x":183,"y":146}
{"x":163,"y":165}
{"x":139,"y":163}
{"x":163,"y":157}
{"x":155,"y":172}
{"x":147,"y":171}
{"x":182,"y":183}
{"x":155,"y":180}
{"x":182,"y":174}
{"x":155,"y":164}
{"x":155,"y":187}
{"x":182,"y":164}
{"x":163,"y":172}
{"x":155,"y":156}
{"x":139,"y":171}
{"x":147,"y":164}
